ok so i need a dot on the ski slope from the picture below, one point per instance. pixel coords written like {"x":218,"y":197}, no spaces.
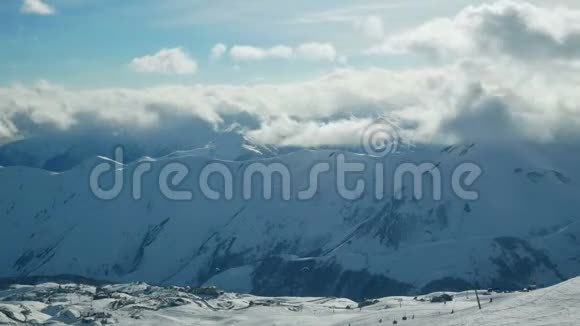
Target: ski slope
{"x":141,"y":304}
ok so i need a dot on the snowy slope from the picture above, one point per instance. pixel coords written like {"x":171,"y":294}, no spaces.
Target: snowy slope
{"x":142,"y":304}
{"x":524,"y":228}
{"x":63,"y":152}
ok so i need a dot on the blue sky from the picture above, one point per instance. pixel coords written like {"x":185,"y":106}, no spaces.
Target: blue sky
{"x":91,"y":42}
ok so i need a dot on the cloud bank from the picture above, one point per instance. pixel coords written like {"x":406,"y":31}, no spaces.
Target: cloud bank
{"x":460,"y":102}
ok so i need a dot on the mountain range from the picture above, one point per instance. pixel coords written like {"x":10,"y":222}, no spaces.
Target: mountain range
{"x":523,"y":229}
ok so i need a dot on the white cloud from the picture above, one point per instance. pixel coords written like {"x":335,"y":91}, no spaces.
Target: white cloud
{"x":285,"y":131}
{"x":252,"y":53}
{"x":218,"y":51}
{"x":166,"y":61}
{"x":371,"y":26}
{"x":472,"y":101}
{"x":512,"y":29}
{"x":36,"y":7}
{"x":307,"y":51}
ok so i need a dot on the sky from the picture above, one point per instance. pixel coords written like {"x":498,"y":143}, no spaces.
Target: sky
{"x":447,"y":69}
{"x":93,"y":42}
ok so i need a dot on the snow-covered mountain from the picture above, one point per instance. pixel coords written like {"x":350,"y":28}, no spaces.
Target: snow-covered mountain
{"x":60,"y":153}
{"x":524,"y":228}
{"x":142,"y":304}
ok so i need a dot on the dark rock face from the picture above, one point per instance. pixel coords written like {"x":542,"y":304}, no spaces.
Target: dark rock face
{"x":517,"y":262}
{"x":442,"y":298}
{"x":276,"y":277}
{"x":448,"y":284}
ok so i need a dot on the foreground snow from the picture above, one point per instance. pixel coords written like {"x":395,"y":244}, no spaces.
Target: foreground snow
{"x":141,"y":304}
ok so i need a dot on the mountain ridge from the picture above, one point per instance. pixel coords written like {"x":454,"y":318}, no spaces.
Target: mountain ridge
{"x":508,"y":238}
